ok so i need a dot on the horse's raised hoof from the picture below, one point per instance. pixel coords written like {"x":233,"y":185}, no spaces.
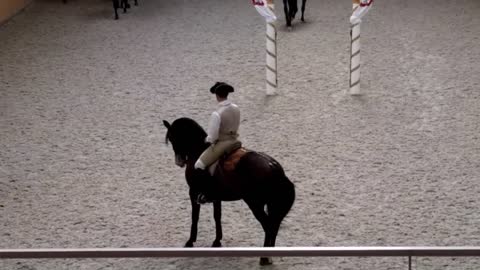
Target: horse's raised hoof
{"x":266,"y":261}
{"x":189,"y":244}
{"x":217,"y":243}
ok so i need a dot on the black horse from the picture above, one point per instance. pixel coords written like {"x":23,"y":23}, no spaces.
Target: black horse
{"x":121,"y":4}
{"x":290,"y":7}
{"x":116,"y":5}
{"x":258,"y":179}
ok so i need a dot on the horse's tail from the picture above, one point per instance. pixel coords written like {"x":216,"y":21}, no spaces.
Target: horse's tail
{"x":284,"y":195}
{"x":281,"y":201}
{"x":288,"y":197}
{"x":279,"y":190}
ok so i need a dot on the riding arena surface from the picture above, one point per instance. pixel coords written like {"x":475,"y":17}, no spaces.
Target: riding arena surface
{"x":83,"y":161}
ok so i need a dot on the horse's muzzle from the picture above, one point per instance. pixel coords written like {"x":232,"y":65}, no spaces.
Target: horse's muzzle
{"x":180,"y":161}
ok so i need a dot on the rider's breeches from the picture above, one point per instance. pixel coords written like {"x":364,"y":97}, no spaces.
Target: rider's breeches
{"x":215,"y":151}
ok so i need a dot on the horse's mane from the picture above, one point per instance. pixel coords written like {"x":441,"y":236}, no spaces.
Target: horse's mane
{"x":186,"y":127}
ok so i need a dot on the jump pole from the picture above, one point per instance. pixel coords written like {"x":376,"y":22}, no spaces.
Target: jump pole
{"x":271,"y":64}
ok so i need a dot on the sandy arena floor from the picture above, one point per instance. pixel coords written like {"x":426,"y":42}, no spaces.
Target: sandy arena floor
{"x":83,"y":161}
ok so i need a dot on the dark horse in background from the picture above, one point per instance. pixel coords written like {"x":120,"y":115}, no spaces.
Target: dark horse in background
{"x":121,"y":4}
{"x":116,"y":5}
{"x":290,"y":7}
{"x":258,"y":179}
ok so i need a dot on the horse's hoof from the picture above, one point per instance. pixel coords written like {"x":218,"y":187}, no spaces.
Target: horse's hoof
{"x":217,"y":244}
{"x":303,"y":20}
{"x":189,"y":244}
{"x":266,"y":261}
{"x":289,"y":28}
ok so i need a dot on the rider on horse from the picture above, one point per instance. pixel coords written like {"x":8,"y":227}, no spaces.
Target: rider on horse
{"x":222,"y":134}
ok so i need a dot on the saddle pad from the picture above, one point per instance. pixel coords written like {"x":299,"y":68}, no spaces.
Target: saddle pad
{"x":230,"y":162}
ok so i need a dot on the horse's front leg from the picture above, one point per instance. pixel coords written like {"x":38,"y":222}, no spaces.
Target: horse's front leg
{"x":287,"y":14}
{"x":217,"y":215}
{"x":195,"y":216}
{"x":124,"y":5}
{"x":116,"y":5}
{"x":303,"y":9}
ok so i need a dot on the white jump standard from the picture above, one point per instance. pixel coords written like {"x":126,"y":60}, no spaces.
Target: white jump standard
{"x":360,"y":8}
{"x":266,"y":9}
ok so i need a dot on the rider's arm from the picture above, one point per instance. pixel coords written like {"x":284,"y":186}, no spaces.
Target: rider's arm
{"x":213,"y":128}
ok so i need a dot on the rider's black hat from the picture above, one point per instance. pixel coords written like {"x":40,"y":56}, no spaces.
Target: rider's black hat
{"x":221,"y":88}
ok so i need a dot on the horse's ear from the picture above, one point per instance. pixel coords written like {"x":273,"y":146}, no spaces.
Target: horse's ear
{"x":167,"y":125}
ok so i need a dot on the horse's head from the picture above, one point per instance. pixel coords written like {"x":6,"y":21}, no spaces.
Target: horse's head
{"x":187,"y":138}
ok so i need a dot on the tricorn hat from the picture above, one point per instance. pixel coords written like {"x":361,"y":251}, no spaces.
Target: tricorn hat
{"x":221,"y":87}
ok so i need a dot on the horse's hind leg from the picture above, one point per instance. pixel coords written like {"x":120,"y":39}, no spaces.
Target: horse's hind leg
{"x":275,"y":221}
{"x":303,"y":9}
{"x":287,"y":14}
{"x":136,"y":2}
{"x":217,"y":215}
{"x":259,"y":213}
{"x":293,"y":8}
{"x":278,"y":207}
{"x":124,"y":5}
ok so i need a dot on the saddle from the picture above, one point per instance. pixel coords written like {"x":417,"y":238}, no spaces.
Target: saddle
{"x":228,"y":162}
